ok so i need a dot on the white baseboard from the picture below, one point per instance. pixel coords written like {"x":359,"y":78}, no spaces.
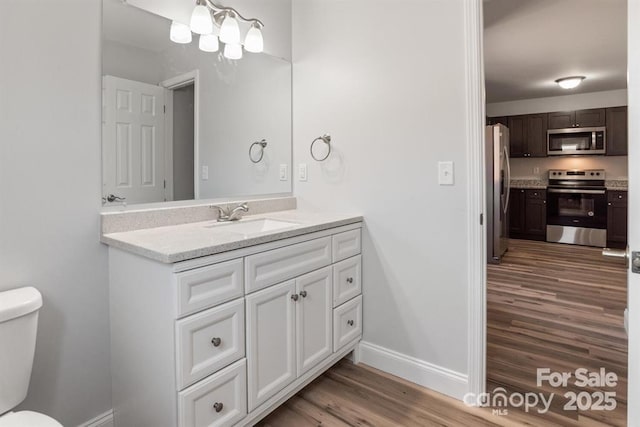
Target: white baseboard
{"x":418,"y":371}
{"x":103,"y":420}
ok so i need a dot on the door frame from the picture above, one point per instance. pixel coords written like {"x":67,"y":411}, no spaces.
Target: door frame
{"x":192,"y":77}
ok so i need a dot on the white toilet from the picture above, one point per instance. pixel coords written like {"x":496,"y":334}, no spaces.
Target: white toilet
{"x":18,"y":325}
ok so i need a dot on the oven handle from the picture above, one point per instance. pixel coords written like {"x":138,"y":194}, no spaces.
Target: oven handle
{"x":574,"y":191}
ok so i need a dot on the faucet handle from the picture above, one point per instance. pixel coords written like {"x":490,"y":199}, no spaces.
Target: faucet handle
{"x":222,"y":212}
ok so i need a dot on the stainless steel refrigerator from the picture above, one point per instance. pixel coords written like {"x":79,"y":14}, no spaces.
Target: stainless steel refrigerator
{"x":498,"y":172}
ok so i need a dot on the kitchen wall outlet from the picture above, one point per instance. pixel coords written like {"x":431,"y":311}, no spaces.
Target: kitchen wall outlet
{"x":536,"y":170}
{"x":284,"y":174}
{"x":205,"y":173}
{"x":302,"y":172}
{"x":445,"y":173}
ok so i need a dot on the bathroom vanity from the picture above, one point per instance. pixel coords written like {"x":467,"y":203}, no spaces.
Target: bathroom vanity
{"x":218,"y":324}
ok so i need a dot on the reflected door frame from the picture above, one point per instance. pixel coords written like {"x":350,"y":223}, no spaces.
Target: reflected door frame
{"x":190,"y":78}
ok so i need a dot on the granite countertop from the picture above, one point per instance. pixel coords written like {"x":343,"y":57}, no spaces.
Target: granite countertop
{"x":177,"y":243}
{"x":540,"y":184}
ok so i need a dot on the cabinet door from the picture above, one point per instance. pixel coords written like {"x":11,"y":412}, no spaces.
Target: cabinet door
{"x":562,"y":119}
{"x":617,"y":131}
{"x":590,"y":118}
{"x":537,"y":135}
{"x":536,"y":213}
{"x":314,"y":319}
{"x":517,"y":136}
{"x":516,"y":212}
{"x":617,"y":221}
{"x":271,"y":350}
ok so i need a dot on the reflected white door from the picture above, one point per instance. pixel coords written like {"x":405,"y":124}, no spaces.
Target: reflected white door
{"x":633,"y":397}
{"x":133,"y":141}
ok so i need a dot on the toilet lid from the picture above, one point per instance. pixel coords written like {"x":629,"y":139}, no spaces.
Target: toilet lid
{"x":27,"y":419}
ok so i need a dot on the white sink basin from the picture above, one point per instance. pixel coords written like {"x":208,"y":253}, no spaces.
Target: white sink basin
{"x":249,"y":228}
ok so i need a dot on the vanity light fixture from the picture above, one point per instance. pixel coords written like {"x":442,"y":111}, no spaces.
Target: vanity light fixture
{"x":570,"y":82}
{"x":217,"y":24}
{"x":179,"y":33}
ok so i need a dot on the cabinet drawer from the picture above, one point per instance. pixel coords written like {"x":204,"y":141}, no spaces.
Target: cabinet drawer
{"x":209,"y":286}
{"x":276,"y":266}
{"x":617,"y":196}
{"x":537,"y":194}
{"x":209,"y":341}
{"x":347,"y":323}
{"x":220,"y":400}
{"x":345,"y":245}
{"x":347,"y":280}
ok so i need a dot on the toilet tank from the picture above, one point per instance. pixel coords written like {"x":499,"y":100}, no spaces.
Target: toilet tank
{"x":18,"y":327}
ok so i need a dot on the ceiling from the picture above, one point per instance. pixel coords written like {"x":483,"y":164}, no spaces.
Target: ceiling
{"x":531,"y":43}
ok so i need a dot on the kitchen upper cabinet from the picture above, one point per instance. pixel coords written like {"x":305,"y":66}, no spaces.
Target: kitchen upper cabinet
{"x":528,"y":135}
{"x":594,"y":117}
{"x":617,"y":219}
{"x":617,"y":124}
{"x":528,"y":214}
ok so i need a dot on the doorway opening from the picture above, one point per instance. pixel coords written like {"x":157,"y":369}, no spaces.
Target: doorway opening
{"x":557,"y":168}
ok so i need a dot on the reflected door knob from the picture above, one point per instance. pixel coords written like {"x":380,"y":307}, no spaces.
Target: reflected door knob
{"x":216,"y":342}
{"x":295,"y":297}
{"x":350,"y":322}
{"x":218,"y":406}
{"x":303,"y":294}
{"x":350,"y":280}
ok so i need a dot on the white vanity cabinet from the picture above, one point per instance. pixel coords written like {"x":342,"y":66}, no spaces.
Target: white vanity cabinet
{"x":222,"y":340}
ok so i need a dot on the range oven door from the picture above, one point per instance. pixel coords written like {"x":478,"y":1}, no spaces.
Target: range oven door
{"x":573,"y":207}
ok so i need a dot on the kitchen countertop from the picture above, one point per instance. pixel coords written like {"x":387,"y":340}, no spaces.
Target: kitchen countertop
{"x":539,"y":184}
{"x":177,"y":243}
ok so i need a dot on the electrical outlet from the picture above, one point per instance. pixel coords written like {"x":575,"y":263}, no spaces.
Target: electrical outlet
{"x":284,"y":173}
{"x":302,"y":172}
{"x":205,"y":173}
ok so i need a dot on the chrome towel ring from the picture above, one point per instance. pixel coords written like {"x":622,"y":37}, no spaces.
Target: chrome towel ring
{"x":262,"y":145}
{"x":327,"y":140}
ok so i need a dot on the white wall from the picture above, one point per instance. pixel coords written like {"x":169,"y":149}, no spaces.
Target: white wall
{"x":612,"y":98}
{"x":130,"y":62}
{"x":49,"y":197}
{"x":394,"y":104}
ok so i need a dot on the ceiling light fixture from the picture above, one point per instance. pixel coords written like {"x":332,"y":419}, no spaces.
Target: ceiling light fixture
{"x":570,"y":82}
{"x":217,"y":24}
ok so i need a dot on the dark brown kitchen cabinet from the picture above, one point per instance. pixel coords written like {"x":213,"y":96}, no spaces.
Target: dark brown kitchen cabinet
{"x":499,"y":120}
{"x":528,"y":214}
{"x":594,"y":117}
{"x":617,"y":141}
{"x":528,"y":135}
{"x":617,"y":221}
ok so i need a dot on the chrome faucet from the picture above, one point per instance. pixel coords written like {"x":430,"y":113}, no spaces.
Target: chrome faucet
{"x":227,"y":214}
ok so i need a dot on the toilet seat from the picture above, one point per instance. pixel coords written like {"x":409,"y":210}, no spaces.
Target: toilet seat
{"x":27,"y":419}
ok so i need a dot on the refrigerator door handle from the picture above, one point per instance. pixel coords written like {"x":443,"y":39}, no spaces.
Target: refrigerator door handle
{"x":508,"y":179}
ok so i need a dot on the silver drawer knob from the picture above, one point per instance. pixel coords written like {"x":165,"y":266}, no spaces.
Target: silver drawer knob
{"x":350,"y":322}
{"x":349,"y":279}
{"x":303,"y":294}
{"x":218,"y":406}
{"x":216,"y":341}
{"x":294,"y":297}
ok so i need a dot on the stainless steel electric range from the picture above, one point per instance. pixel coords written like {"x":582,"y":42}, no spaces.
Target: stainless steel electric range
{"x":577,"y":207}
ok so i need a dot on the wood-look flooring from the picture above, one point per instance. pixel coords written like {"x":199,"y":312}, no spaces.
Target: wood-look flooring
{"x":549,"y":306}
{"x":559,"y":307}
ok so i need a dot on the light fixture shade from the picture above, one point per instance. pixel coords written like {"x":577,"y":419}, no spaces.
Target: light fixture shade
{"x":179,"y":33}
{"x":230,"y":31}
{"x":233,"y":51}
{"x":201,"y":22}
{"x":254,"y":42}
{"x":570,"y":82}
{"x":209,"y":43}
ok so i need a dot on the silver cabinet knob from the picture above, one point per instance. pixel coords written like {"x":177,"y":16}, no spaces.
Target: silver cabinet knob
{"x":303,"y":294}
{"x":216,"y":341}
{"x":295,"y":297}
{"x":350,"y":322}
{"x":218,"y":406}
{"x":619,"y":197}
{"x":609,"y":203}
{"x":349,"y":279}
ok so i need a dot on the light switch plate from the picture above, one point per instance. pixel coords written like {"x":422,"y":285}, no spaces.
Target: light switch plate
{"x":302,"y":172}
{"x":284,"y":175}
{"x":205,"y":173}
{"x":445,"y":173}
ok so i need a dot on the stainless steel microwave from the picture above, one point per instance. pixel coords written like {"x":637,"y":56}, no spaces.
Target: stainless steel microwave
{"x":563,"y":142}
